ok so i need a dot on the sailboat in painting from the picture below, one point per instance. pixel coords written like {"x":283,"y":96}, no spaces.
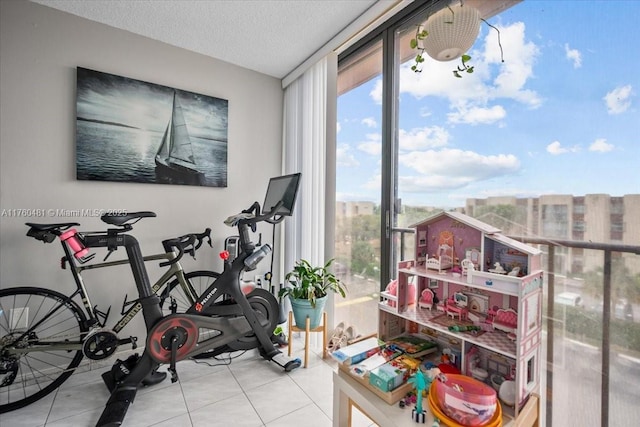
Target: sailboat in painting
{"x":174,"y":159}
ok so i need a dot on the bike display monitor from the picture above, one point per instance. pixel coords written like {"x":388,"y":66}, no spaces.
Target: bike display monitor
{"x":282,"y":189}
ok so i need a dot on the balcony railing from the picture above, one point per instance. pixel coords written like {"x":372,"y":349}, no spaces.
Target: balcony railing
{"x":605,"y":350}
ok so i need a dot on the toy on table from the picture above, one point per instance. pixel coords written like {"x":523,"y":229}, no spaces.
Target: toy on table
{"x":420,"y":383}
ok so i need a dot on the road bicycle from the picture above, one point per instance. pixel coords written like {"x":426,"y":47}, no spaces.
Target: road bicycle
{"x":45,"y":334}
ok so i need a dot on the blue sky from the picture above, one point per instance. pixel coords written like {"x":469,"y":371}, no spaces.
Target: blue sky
{"x":559,"y":116}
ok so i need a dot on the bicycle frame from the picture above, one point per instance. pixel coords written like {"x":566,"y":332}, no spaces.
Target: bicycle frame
{"x":174,"y":270}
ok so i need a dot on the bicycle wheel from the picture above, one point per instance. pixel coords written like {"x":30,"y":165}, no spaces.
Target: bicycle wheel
{"x":41,"y":333}
{"x":199,"y":281}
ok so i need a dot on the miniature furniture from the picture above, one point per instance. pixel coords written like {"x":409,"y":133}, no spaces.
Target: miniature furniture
{"x":491,"y":313}
{"x":444,"y":257}
{"x":390,"y":293}
{"x":456,"y":306}
{"x":322,"y":328}
{"x":466,"y":265}
{"x":426,"y":299}
{"x":514,"y":272}
{"x":506,"y":320}
{"x":497,"y":269}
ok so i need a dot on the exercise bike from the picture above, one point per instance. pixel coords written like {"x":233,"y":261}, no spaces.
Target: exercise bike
{"x":223,"y":318}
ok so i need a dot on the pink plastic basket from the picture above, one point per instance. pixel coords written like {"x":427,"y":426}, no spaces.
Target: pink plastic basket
{"x":466,"y":400}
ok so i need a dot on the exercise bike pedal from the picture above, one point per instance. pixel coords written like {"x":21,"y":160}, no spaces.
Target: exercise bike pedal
{"x":172,"y":363}
{"x":286,"y":363}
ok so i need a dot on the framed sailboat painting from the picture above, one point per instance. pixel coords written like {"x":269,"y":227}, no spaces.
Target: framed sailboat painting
{"x":133,"y":131}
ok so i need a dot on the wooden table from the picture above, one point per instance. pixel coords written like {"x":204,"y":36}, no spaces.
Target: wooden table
{"x":347,"y":393}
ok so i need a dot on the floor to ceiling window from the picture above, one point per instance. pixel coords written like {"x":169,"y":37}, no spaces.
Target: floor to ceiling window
{"x":358,"y":168}
{"x":543,"y":145}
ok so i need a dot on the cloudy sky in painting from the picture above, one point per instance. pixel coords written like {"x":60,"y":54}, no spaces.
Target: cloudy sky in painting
{"x":118,"y":99}
{"x":558,"y":116}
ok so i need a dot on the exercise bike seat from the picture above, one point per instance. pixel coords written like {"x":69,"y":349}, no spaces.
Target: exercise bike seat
{"x":233,"y":220}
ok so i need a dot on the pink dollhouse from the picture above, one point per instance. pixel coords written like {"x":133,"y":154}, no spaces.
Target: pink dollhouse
{"x":480,"y":278}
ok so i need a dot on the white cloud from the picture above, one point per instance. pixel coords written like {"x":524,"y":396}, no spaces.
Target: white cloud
{"x":376,"y":92}
{"x":556,"y":148}
{"x":425,"y":111}
{"x":453,"y":168}
{"x":477,"y":115}
{"x":601,"y":145}
{"x":423,"y":138}
{"x":492,"y":79}
{"x":573,"y":55}
{"x":618,"y":100}
{"x":517,"y":69}
{"x":369,"y":122}
{"x":344,"y":157}
{"x":338,"y":127}
{"x":373,"y":144}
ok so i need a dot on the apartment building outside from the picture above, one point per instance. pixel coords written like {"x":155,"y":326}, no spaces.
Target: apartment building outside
{"x":598,"y":218}
{"x":350,"y":209}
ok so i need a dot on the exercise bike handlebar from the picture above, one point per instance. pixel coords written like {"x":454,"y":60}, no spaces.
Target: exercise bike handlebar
{"x":248,"y":218}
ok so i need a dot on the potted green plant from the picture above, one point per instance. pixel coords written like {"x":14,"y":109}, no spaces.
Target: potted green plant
{"x":308,"y":288}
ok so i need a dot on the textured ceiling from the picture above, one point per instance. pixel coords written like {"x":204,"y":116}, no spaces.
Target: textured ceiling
{"x":269,"y":36}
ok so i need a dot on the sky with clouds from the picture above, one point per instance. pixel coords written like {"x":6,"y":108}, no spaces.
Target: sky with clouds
{"x":560,"y":115}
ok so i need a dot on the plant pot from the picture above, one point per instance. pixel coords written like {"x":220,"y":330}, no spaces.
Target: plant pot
{"x":302,"y":309}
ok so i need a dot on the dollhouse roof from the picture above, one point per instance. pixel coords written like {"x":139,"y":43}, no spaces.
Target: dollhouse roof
{"x":489,"y":230}
{"x":465,"y":219}
{"x":514,"y":244}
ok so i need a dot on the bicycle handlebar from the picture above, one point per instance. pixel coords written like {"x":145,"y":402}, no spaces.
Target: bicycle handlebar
{"x":201,"y":236}
{"x":186,"y":243}
{"x":181,"y":244}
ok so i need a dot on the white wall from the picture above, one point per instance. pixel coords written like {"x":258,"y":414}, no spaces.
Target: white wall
{"x":40,"y":49}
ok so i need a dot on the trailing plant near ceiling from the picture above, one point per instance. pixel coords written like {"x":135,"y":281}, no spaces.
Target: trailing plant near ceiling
{"x":418,"y":42}
{"x":468,"y":68}
{"x":421,"y":34}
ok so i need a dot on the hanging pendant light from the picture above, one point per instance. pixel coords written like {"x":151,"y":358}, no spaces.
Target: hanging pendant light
{"x":452,"y":31}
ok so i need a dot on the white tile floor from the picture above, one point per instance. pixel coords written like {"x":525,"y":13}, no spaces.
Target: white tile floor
{"x":247,"y":392}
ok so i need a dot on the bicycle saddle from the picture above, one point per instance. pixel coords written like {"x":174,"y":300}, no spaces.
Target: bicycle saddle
{"x":122,"y":219}
{"x":48,"y":227}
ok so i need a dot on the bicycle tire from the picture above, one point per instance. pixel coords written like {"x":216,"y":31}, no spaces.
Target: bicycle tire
{"x":200,"y":280}
{"x":27,"y":376}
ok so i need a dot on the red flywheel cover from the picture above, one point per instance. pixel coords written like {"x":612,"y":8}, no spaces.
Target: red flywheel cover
{"x":183,"y":329}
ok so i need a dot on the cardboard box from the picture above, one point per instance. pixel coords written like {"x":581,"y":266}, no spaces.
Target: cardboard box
{"x":389,"y":376}
{"x":391,"y":397}
{"x":357,"y":352}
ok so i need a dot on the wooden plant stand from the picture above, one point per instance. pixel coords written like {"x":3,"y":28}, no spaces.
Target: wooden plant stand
{"x":322,"y":328}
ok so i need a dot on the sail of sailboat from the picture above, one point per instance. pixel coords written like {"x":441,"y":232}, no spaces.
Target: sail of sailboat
{"x":174,"y":158}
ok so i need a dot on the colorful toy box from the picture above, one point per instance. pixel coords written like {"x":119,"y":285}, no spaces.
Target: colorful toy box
{"x":390,"y":375}
{"x":357,"y":352}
